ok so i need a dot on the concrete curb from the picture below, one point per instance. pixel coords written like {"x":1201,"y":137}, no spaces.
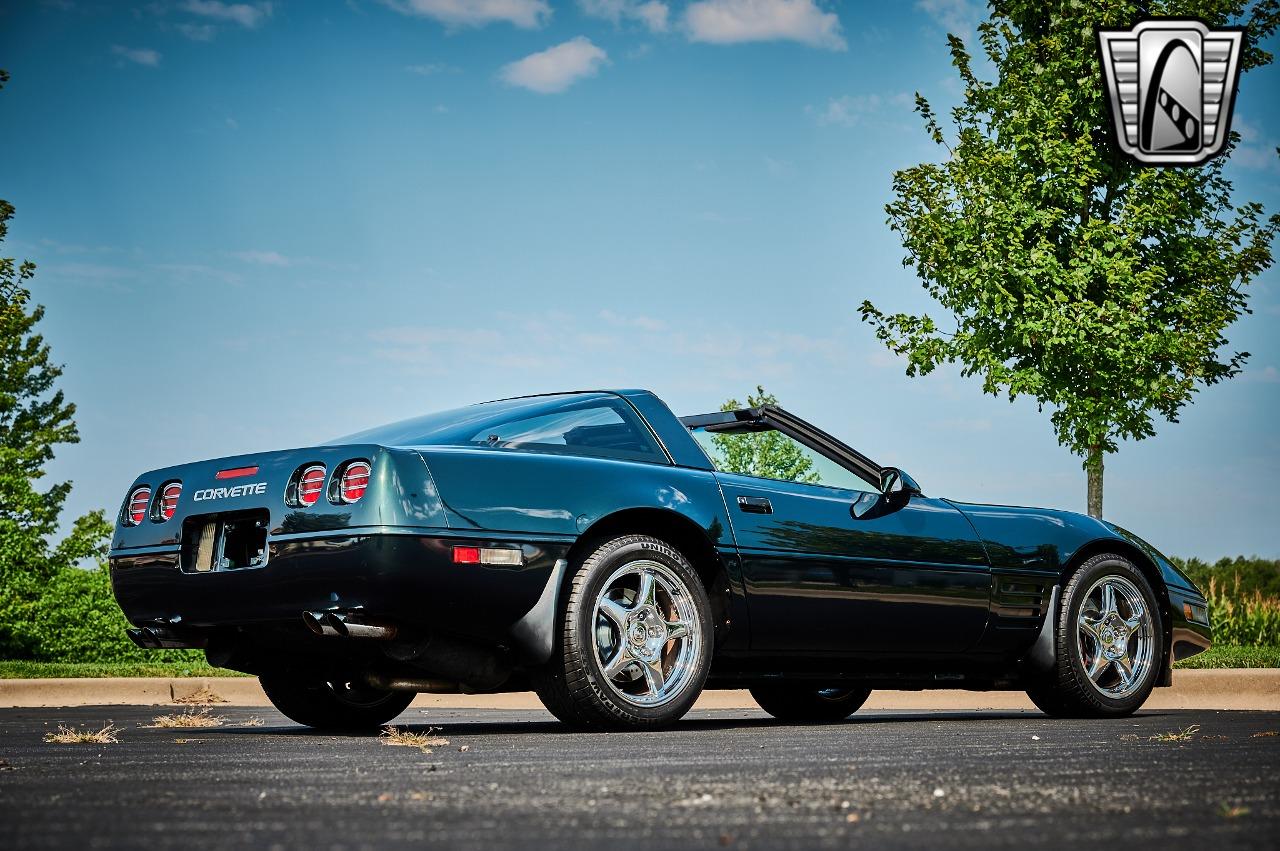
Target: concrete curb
{"x":1239,"y":688}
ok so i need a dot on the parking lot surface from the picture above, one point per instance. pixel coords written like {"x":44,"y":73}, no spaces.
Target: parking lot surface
{"x":518,"y":779}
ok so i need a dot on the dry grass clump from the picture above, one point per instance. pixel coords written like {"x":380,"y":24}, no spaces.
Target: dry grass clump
{"x":202,"y":696}
{"x":424,"y":741}
{"x":201,"y":717}
{"x":65,"y":735}
{"x":1184,"y":735}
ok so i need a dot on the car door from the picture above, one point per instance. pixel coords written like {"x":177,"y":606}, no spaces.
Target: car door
{"x":830,"y":564}
{"x":912,"y":580}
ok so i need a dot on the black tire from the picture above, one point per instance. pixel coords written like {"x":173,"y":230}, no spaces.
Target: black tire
{"x":809,"y":705}
{"x":1067,"y":691}
{"x":334,"y":705}
{"x":573,"y":685}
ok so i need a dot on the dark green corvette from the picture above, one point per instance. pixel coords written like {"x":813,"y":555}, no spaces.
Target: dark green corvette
{"x":618,"y":560}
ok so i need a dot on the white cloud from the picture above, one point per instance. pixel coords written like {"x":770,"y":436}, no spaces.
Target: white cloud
{"x":196,"y":272}
{"x":848,"y":110}
{"x":198,"y":32}
{"x":652,"y":13}
{"x":1267,"y":375}
{"x":958,"y":17}
{"x":527,"y":14}
{"x":735,"y":21}
{"x":557,"y":68}
{"x":1257,"y":149}
{"x":137,"y":55}
{"x":249,"y":16}
{"x":552,"y":343}
{"x":263,"y":258}
{"x":640,"y":321}
{"x":851,"y":110}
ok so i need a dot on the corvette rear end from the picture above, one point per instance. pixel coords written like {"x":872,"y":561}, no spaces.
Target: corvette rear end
{"x":260,"y":559}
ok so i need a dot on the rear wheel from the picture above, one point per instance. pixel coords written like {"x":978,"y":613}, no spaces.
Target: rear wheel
{"x":797,"y":703}
{"x":1109,"y":646}
{"x":334,"y":704}
{"x":634,"y":645}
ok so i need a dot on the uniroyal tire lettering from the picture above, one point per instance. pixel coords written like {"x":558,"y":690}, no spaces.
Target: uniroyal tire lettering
{"x":255,"y":488}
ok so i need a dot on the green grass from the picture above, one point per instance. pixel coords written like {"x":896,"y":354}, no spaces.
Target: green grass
{"x":10,"y":670}
{"x":1232,"y":656}
{"x":1224,"y":656}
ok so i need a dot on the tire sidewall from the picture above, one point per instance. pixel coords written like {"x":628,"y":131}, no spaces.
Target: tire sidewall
{"x":600,"y":567}
{"x":1080,"y":583}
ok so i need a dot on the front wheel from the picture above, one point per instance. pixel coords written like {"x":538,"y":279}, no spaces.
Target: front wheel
{"x":1109,"y":646}
{"x":794,"y":702}
{"x":635,"y":637}
{"x":334,"y":704}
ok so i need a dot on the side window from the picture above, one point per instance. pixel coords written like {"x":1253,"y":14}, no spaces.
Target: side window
{"x":601,"y":429}
{"x":774,"y":455}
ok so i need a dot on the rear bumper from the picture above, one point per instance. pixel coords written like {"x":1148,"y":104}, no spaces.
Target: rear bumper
{"x":406,"y":578}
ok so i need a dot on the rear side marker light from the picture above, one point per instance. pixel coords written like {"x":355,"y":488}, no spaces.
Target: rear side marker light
{"x":139,"y":500}
{"x":235,"y":472}
{"x":310,"y":485}
{"x":353,"y":481}
{"x":487,"y":555}
{"x":168,"y":503}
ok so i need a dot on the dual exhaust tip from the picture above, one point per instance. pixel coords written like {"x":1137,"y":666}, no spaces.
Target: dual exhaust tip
{"x":347,"y":626}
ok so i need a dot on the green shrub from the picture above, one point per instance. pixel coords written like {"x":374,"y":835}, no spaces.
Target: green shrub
{"x":77,"y":619}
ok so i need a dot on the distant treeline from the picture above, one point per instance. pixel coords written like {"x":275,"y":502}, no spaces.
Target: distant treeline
{"x":1240,"y":576}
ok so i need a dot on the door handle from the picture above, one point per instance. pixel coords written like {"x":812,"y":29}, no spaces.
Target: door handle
{"x":755,"y":505}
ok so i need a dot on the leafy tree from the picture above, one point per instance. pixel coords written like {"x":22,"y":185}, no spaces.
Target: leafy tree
{"x":34,"y":418}
{"x":767,"y":454}
{"x":1065,"y":272}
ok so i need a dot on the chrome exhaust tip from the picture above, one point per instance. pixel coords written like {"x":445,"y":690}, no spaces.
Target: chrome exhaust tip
{"x":318,"y":623}
{"x":360,"y":629}
{"x":347,"y":626}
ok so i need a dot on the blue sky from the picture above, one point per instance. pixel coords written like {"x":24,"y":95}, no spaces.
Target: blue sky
{"x":262,"y":225}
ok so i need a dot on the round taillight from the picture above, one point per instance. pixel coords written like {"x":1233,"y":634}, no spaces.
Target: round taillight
{"x":310,"y":485}
{"x":139,"y":499}
{"x":354,"y":482}
{"x":168,"y":500}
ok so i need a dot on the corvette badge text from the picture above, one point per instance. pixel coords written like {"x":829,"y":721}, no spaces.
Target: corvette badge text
{"x":228,"y":493}
{"x":1171,"y":86}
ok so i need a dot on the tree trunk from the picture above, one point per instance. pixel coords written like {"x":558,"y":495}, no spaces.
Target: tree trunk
{"x":1093,"y":466}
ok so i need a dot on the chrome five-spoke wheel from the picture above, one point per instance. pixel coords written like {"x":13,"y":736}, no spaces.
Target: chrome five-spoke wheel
{"x":1108,"y":643}
{"x":636,"y":642}
{"x":1116,"y":636}
{"x":647,"y":633}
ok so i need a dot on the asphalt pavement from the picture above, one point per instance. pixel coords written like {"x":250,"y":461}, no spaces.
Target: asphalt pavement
{"x":518,"y":779}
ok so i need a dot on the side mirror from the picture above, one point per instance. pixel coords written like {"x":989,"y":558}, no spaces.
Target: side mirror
{"x":897,"y":485}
